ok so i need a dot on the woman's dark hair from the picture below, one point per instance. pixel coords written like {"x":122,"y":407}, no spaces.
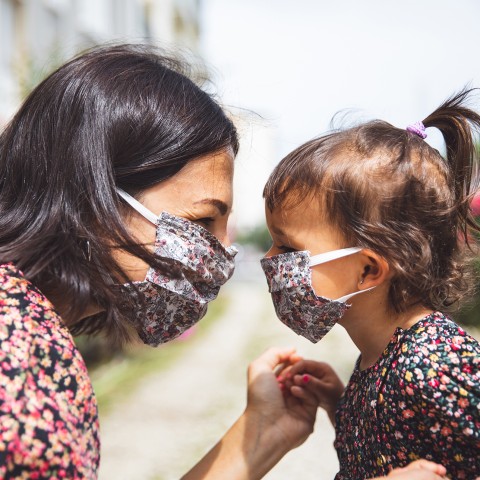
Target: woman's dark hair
{"x":117,"y":116}
{"x":386,"y":189}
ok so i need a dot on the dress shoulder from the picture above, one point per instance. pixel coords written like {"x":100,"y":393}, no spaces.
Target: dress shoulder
{"x":439,"y":374}
{"x":48,"y":412}
{"x":443,"y":351}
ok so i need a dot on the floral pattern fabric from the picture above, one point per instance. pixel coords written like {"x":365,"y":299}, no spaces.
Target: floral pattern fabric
{"x":289,"y":279}
{"x":198,"y":266}
{"x":48,"y":412}
{"x":421,"y":399}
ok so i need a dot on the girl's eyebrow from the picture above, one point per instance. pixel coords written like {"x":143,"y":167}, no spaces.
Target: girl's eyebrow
{"x":222,"y":207}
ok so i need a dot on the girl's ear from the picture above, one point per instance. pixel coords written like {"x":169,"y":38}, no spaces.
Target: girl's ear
{"x":375,"y":270}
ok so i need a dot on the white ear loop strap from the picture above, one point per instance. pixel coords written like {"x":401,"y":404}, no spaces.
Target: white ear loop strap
{"x":135,"y":204}
{"x":350,"y":295}
{"x":329,"y":256}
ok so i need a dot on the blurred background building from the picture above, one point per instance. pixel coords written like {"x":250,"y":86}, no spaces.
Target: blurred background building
{"x":36,"y":35}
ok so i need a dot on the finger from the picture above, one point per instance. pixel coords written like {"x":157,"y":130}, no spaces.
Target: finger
{"x":302,"y":394}
{"x":270,"y":359}
{"x":283,"y":370}
{"x":312,"y":384}
{"x":284,"y":375}
{"x":427,"y":465}
{"x":317,"y":369}
{"x":305,"y":379}
{"x":295,"y":357}
{"x":421,"y":470}
{"x":285,"y":381}
{"x":415,"y":474}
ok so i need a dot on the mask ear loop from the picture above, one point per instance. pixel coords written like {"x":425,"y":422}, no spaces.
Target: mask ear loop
{"x":136,"y":205}
{"x":350,"y":295}
{"x":333,"y":255}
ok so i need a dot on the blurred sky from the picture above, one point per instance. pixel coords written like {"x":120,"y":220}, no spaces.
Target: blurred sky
{"x":298,"y":63}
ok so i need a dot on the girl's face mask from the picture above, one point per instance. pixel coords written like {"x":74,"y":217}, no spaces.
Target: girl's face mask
{"x":289,"y":279}
{"x":200,"y":265}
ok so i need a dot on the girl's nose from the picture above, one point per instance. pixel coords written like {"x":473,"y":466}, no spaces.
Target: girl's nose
{"x":271,"y":252}
{"x":226,"y":242}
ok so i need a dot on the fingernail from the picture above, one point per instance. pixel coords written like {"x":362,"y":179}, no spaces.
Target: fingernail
{"x":306,"y":378}
{"x":280,"y":378}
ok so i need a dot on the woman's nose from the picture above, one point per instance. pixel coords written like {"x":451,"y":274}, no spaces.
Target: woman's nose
{"x":223,"y":236}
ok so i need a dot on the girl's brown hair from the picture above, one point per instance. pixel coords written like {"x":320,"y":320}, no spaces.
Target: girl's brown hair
{"x":387,"y":190}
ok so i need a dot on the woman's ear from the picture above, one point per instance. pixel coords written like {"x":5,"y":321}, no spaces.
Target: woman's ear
{"x":375,"y":270}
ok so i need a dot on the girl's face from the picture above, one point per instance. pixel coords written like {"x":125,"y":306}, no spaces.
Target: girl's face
{"x":201,"y":192}
{"x":301,"y":228}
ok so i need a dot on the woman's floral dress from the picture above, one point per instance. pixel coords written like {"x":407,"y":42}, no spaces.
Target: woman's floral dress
{"x":48,"y":411}
{"x":421,"y":399}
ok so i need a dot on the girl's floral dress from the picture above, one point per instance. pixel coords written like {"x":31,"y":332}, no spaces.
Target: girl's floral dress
{"x":421,"y":399}
{"x":48,"y":411}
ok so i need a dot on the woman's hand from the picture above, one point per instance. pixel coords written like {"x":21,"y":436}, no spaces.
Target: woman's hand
{"x":309,"y":380}
{"x":288,"y":419}
{"x":273,"y":423}
{"x":419,"y":470}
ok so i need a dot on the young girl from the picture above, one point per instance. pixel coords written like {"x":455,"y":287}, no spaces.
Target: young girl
{"x":369,"y":229}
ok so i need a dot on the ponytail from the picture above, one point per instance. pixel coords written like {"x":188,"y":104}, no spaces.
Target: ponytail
{"x":457,"y":123}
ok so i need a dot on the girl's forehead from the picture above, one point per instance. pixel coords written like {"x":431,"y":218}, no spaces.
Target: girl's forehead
{"x":299,"y":220}
{"x":303,"y":226}
{"x":300,"y":214}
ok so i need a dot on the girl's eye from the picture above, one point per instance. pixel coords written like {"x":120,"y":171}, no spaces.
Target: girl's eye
{"x":286,"y":249}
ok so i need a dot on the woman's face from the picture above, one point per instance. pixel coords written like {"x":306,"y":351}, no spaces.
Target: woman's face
{"x":201,"y":192}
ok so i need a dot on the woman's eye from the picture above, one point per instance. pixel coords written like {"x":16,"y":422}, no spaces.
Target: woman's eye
{"x":206,"y":221}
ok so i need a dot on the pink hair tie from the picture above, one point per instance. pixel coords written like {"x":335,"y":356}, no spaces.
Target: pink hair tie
{"x":418,"y":128}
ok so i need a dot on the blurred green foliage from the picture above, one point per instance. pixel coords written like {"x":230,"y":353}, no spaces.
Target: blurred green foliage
{"x":30,"y":71}
{"x":470,"y":312}
{"x":257,"y":236}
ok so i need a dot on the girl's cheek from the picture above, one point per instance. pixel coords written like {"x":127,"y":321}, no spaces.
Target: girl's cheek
{"x":322,"y":285}
{"x":333,"y":284}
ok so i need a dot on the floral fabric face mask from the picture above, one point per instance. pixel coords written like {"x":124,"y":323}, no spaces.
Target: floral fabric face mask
{"x":200,"y":265}
{"x":289,"y":279}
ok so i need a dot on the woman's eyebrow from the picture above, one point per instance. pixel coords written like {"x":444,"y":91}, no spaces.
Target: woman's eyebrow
{"x":222,"y":207}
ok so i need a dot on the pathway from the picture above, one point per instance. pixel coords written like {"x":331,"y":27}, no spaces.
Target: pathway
{"x":175,"y":416}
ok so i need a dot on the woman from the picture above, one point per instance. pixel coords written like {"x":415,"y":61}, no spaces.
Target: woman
{"x":89,"y":167}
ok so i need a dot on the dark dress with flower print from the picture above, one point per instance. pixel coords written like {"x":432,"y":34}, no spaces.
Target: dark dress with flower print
{"x":48,"y":412}
{"x":421,"y":399}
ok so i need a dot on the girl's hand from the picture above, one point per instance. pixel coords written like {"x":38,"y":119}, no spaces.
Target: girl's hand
{"x":287,"y":420}
{"x":419,"y":470}
{"x":309,"y":381}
